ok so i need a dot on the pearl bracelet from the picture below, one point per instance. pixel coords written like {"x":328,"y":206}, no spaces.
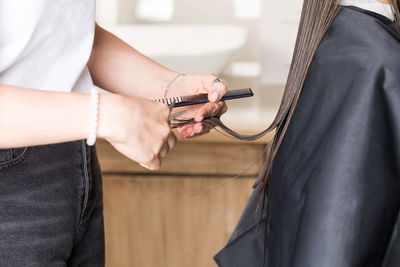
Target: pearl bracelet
{"x":94,"y":114}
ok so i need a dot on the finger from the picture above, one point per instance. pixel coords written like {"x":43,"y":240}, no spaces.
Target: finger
{"x":192,"y":130}
{"x":182,"y":131}
{"x":216,"y":92}
{"x":165,"y":111}
{"x":198,"y":128}
{"x":164,"y":151}
{"x":189,"y":131}
{"x":209,"y":110}
{"x":171,"y":141}
{"x":186,"y":131}
{"x":153,"y":165}
{"x":223,"y":110}
{"x":205,"y":130}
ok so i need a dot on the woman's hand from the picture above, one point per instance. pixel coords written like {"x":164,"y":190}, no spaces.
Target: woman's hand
{"x":199,"y":84}
{"x":137,"y":128}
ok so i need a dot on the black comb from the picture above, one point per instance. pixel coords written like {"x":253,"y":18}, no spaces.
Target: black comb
{"x":181,"y":101}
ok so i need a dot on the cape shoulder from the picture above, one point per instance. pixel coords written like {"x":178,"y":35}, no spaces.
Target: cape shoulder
{"x":362,"y":39}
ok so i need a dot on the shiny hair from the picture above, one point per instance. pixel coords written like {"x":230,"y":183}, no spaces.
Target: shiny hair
{"x":396,"y":10}
{"x":316,"y":18}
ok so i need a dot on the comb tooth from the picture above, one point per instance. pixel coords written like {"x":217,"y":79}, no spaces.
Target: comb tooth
{"x":170,"y":100}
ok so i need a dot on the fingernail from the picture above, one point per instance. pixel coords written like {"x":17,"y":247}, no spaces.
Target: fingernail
{"x":200,"y":129}
{"x":200,"y":118}
{"x":214,"y":96}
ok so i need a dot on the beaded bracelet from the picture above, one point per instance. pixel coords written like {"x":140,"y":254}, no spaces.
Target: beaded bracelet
{"x":94,"y":114}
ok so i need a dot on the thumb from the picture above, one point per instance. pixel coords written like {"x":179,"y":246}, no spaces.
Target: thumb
{"x":216,"y":92}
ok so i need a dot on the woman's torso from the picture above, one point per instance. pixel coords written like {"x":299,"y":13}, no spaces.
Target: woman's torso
{"x":45,"y":44}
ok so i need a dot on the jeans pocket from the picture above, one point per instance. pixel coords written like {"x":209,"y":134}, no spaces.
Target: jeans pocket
{"x":11,"y":156}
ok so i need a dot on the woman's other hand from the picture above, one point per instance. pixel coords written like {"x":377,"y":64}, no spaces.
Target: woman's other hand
{"x":138,"y":128}
{"x":199,"y":84}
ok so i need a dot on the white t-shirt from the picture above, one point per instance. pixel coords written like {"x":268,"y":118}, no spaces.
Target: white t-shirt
{"x":46,"y":44}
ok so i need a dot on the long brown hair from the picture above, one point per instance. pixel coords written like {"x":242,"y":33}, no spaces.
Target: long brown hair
{"x":396,"y":10}
{"x":316,"y":17}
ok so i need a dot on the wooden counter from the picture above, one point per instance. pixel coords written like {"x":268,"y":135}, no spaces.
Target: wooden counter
{"x":171,"y":217}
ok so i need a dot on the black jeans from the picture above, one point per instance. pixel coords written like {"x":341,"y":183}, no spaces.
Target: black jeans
{"x":51,"y":208}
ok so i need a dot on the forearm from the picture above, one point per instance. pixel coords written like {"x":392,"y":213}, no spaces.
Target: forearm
{"x":117,"y":67}
{"x":32,"y":117}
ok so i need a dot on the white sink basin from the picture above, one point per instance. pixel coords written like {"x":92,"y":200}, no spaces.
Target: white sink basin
{"x":185,"y":48}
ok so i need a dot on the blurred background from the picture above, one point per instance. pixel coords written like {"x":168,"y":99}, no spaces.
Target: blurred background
{"x":152,"y":219}
{"x":247,"y":42}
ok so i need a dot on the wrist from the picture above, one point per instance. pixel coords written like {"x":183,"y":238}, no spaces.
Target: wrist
{"x":110,"y":106}
{"x":169,"y":88}
{"x":94,"y":106}
{"x":165,"y":80}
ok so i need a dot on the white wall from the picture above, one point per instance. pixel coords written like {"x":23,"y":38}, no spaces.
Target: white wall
{"x":204,"y":12}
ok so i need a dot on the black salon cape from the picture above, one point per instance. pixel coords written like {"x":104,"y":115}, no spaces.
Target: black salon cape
{"x":335,"y":185}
